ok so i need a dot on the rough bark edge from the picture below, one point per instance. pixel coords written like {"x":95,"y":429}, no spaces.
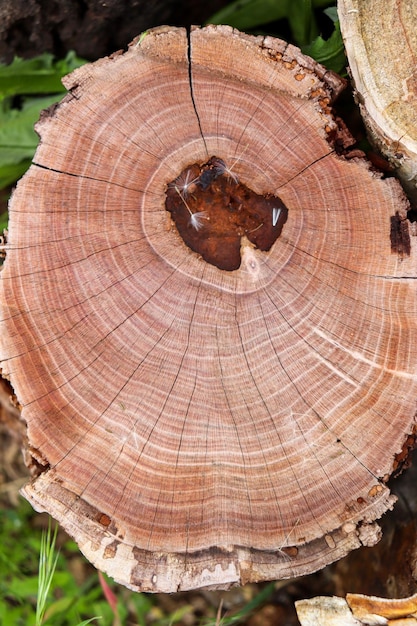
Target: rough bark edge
{"x":356,"y":610}
{"x":215,"y":568}
{"x":282,"y":53}
{"x":397,"y":147}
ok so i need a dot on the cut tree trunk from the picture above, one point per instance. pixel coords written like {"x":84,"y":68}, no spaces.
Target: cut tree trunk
{"x":381,"y":46}
{"x":192,"y":424}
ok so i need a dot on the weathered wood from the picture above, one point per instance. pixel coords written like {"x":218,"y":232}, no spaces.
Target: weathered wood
{"x":357,"y":610}
{"x":381,"y":45}
{"x":200,"y":427}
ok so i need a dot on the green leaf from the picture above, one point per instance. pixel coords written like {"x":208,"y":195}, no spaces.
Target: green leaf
{"x":259,"y":599}
{"x":248,"y":14}
{"x":21,"y":589}
{"x":57,"y":608}
{"x":332,"y":13}
{"x":23,"y":78}
{"x":180,"y":613}
{"x":47,"y":564}
{"x":330,"y":52}
{"x":18,"y":140}
{"x":40,"y":75}
{"x":4,"y":220}
{"x":302,"y":21}
{"x":16,"y":615}
{"x":11,"y":172}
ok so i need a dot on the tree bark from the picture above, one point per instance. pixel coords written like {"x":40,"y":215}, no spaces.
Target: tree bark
{"x":381,"y":46}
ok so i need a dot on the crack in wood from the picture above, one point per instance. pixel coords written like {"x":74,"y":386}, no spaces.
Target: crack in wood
{"x":190,"y":77}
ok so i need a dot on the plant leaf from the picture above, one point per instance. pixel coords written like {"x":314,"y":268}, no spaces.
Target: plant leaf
{"x":10,"y":172}
{"x":248,"y":14}
{"x":108,"y":593}
{"x":58,"y":607}
{"x":259,"y":599}
{"x":18,"y":140}
{"x":38,"y":75}
{"x":47,"y":564}
{"x":330,"y":52}
{"x":302,"y":21}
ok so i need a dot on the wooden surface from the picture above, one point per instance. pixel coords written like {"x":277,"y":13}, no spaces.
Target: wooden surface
{"x":381,"y":45}
{"x":195,"y":427}
{"x":357,"y":610}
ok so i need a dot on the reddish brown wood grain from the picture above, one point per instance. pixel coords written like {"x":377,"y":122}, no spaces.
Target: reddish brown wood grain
{"x":200,"y":427}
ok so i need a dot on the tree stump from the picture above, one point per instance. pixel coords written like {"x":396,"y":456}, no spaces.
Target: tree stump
{"x":192,"y":425}
{"x":381,"y":46}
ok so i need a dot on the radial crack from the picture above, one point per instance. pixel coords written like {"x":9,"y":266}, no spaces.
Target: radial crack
{"x":190,"y":76}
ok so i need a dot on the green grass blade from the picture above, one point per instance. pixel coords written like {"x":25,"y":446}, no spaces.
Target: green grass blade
{"x":47,"y":565}
{"x":259,"y":599}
